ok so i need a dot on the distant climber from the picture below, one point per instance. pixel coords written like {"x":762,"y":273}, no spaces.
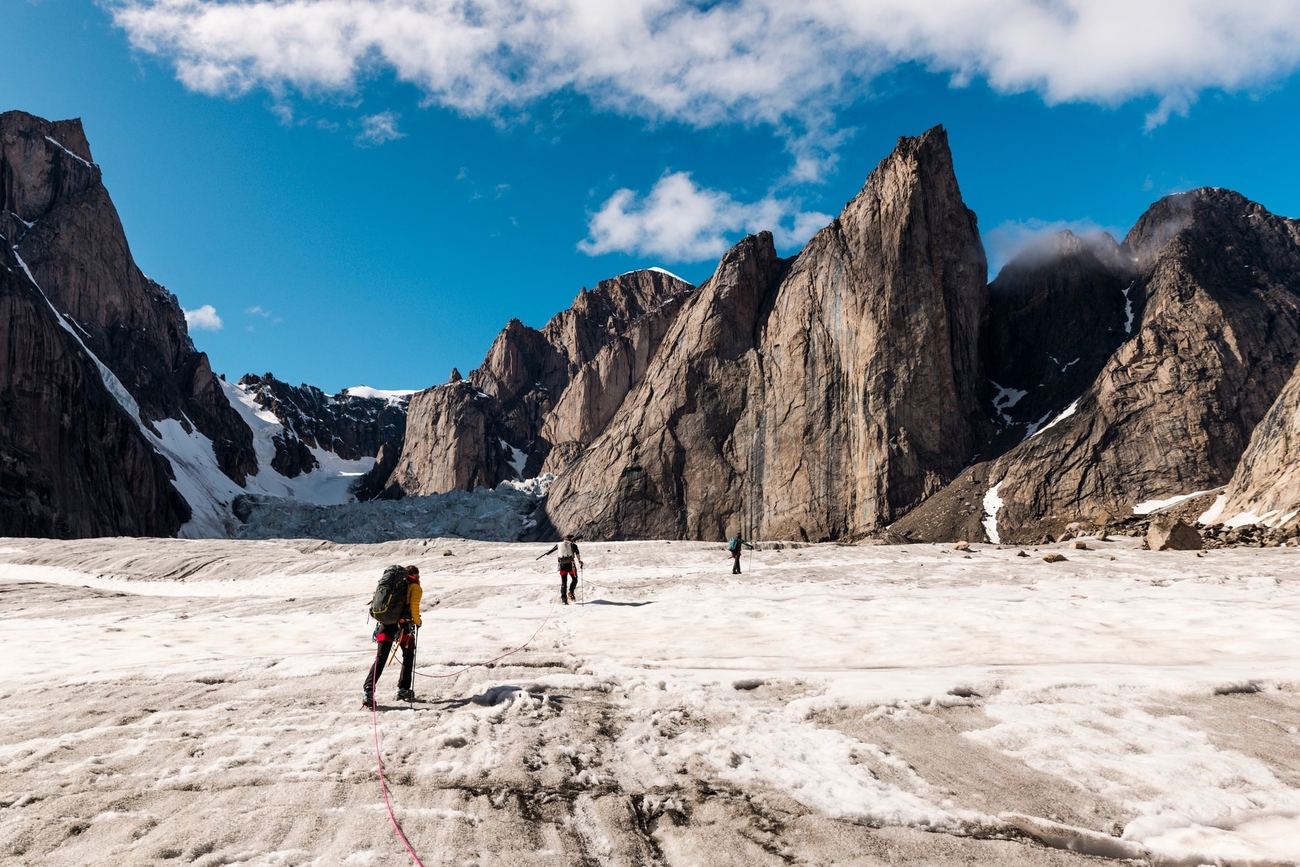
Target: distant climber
{"x":396,"y":605}
{"x":568,"y":554}
{"x":736,"y":547}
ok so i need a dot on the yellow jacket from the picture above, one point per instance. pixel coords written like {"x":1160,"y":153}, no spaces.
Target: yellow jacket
{"x":413,"y":595}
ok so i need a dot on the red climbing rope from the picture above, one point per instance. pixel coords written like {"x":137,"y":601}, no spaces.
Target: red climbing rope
{"x":461,"y":671}
{"x":383,"y":785}
{"x":374,"y":713}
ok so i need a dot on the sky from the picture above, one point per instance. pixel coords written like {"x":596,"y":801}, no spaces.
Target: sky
{"x":347,"y":192}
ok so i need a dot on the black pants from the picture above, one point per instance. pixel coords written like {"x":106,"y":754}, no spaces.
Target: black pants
{"x":390,"y":634}
{"x":572,"y":589}
{"x":735,"y":562}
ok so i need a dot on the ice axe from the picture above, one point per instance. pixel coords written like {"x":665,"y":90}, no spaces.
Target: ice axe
{"x":554,"y":548}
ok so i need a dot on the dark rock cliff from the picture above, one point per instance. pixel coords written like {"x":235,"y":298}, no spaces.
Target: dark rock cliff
{"x":1217,"y":281}
{"x":61,"y":222}
{"x":73,"y":462}
{"x":63,"y":235}
{"x":350,"y":426}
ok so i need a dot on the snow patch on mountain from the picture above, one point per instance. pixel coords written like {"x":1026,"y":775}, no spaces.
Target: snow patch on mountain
{"x":393,"y":396}
{"x":992,"y":503}
{"x":1148,"y":506}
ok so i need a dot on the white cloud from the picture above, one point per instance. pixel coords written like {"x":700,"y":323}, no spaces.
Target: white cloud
{"x":258,"y":311}
{"x":682,"y":222}
{"x":1005,"y":241}
{"x":754,"y":61}
{"x":377,"y":129}
{"x":204,"y":319}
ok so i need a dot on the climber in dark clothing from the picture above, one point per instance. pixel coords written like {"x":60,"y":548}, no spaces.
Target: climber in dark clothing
{"x":735,"y":547}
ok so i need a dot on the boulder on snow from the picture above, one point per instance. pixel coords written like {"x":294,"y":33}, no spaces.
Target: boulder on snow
{"x":1166,"y":535}
{"x":1079,"y":545}
{"x":1054,"y":558}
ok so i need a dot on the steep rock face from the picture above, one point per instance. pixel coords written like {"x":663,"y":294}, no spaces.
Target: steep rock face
{"x":449,"y":445}
{"x":669,"y":465}
{"x":350,"y":426}
{"x":73,"y":462}
{"x":811,"y":400}
{"x":1266,"y":484}
{"x":871,"y":355}
{"x":600,"y":386}
{"x":516,"y":406}
{"x":1174,"y":407}
{"x":528,"y":371}
{"x":59,"y":219}
{"x":1056,"y":314}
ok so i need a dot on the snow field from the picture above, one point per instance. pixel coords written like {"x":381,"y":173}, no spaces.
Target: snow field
{"x":833,"y":705}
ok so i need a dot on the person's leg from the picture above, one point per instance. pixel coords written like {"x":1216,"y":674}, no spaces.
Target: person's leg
{"x":573,"y":584}
{"x":377,"y":667}
{"x":735,"y":563}
{"x":408,"y":666}
{"x":563,"y":596}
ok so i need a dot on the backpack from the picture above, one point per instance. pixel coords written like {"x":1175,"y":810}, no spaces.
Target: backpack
{"x":733,"y":545}
{"x":567,"y":551}
{"x":389,"y":603}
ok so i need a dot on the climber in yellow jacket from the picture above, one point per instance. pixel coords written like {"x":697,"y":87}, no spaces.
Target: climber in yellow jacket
{"x":403,"y":631}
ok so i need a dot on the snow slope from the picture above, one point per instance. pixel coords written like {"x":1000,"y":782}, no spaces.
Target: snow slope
{"x":833,"y":705}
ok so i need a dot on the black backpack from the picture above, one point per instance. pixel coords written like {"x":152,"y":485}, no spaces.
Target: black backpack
{"x":389,"y":603}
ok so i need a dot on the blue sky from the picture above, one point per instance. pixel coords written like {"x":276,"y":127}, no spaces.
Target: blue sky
{"x":367,"y":198}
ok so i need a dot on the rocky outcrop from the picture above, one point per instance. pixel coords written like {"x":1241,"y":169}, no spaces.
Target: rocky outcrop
{"x":1172,"y":410}
{"x":1266,"y":485}
{"x":670,"y":464}
{"x":350,"y":426}
{"x":1172,"y":535}
{"x":62,"y":234}
{"x":449,"y":446}
{"x":61,"y":222}
{"x":505,"y":420}
{"x":814,"y":399}
{"x":528,"y":372}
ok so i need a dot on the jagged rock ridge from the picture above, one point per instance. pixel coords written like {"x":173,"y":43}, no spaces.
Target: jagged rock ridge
{"x":514,"y":416}
{"x":350,"y":426}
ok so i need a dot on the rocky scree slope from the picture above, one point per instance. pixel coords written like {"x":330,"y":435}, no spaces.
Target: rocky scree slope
{"x":816,"y":398}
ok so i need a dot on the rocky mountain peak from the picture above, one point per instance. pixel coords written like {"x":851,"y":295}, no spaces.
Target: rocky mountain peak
{"x":812,"y":398}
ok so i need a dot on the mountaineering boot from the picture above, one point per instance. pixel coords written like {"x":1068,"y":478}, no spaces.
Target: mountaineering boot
{"x":572,"y":598}
{"x":406,"y":695}
{"x":367,"y":699}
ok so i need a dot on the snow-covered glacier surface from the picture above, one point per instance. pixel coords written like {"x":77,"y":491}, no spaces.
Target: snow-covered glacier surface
{"x":832,"y":705}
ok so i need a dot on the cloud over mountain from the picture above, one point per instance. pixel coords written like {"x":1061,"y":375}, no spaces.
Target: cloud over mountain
{"x":204,"y":318}
{"x":763,"y":61}
{"x":683,"y":222}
